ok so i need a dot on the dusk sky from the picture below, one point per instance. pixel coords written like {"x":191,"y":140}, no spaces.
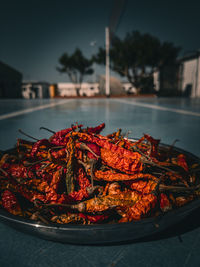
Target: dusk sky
{"x":34,"y":34}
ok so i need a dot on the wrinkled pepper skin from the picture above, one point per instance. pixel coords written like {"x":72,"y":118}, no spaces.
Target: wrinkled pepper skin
{"x":38,"y":144}
{"x":140,"y":209}
{"x":10,"y":203}
{"x":58,"y":139}
{"x":128,"y":165}
{"x":95,"y":130}
{"x":111,"y":175}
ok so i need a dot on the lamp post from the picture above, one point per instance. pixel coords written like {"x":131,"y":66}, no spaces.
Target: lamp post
{"x":107,"y":62}
{"x":93,"y":44}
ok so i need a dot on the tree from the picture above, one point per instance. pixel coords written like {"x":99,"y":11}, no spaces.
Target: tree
{"x":137,"y":56}
{"x":76,"y":66}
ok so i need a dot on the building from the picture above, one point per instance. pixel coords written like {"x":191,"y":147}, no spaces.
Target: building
{"x":10,"y":82}
{"x":189,"y":71}
{"x":166,"y":81}
{"x":182,"y":79}
{"x":70,"y":89}
{"x":33,"y":89}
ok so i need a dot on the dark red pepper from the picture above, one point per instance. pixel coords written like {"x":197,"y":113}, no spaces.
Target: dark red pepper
{"x":58,"y":139}
{"x":10,"y":203}
{"x":38,"y":144}
{"x":96,"y":130}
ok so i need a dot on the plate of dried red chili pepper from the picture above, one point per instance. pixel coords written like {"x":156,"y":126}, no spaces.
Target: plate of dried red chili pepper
{"x":80,"y":186}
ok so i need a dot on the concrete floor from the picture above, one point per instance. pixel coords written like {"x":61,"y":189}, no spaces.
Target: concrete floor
{"x":163,"y":118}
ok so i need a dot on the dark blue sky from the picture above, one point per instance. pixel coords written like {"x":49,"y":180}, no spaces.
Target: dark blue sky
{"x":34,"y":34}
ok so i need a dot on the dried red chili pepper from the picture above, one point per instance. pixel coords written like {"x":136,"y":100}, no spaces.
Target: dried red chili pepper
{"x":181,"y":161}
{"x":165,"y":203}
{"x":10,"y":203}
{"x":18,"y":170}
{"x":107,"y":202}
{"x":119,"y":162}
{"x":83,"y":185}
{"x":38,"y":144}
{"x":144,"y":187}
{"x":58,"y":139}
{"x":111,"y":175}
{"x":140,"y":209}
{"x":93,"y":151}
{"x":95,"y":130}
{"x":154,"y":145}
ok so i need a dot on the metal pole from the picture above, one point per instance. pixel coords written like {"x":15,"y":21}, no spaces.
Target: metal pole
{"x":107,"y":63}
{"x":93,"y":44}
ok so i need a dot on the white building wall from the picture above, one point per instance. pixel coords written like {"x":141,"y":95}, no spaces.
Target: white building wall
{"x":191,"y":76}
{"x":66,"y":89}
{"x":69,"y":89}
{"x":156,"y":80}
{"x":198,"y":79}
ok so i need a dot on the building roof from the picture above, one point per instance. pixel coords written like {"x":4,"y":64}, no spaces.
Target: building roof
{"x":7,"y":68}
{"x":35,"y":82}
{"x":189,"y":55}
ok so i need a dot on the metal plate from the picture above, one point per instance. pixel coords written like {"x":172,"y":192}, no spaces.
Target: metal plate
{"x":111,"y":233}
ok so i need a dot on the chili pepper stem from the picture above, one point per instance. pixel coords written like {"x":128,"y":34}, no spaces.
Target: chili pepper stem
{"x":171,"y":148}
{"x":37,"y":215}
{"x":178,"y":188}
{"x":44,"y":166}
{"x":157,"y":165}
{"x":27,"y":164}
{"x":3,"y":171}
{"x":92,"y":164}
{"x":84,"y":146}
{"x":44,"y":128}
{"x":86,"y":167}
{"x":22,"y":132}
{"x":134,"y":148}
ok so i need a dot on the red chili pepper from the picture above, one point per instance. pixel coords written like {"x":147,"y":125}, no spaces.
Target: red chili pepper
{"x":83,"y":183}
{"x":181,"y":161}
{"x":144,"y":187}
{"x":95,"y":130}
{"x":93,"y":150}
{"x":154,"y":145}
{"x":58,"y":138}
{"x":111,"y":175}
{"x":38,"y":144}
{"x":119,"y":162}
{"x":20,"y":171}
{"x":114,"y":156}
{"x":165,"y":204}
{"x":10,"y":203}
{"x":140,"y":209}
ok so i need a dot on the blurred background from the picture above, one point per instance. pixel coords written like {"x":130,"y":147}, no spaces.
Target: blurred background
{"x":58,"y":49}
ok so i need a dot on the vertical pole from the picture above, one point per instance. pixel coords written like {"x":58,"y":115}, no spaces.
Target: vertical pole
{"x":107,"y":63}
{"x":196,"y":78}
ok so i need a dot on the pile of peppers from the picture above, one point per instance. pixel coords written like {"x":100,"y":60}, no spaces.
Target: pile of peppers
{"x":79,"y":176}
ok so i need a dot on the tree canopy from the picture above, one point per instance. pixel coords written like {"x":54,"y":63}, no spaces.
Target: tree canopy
{"x":137,"y":56}
{"x":76,"y":66}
